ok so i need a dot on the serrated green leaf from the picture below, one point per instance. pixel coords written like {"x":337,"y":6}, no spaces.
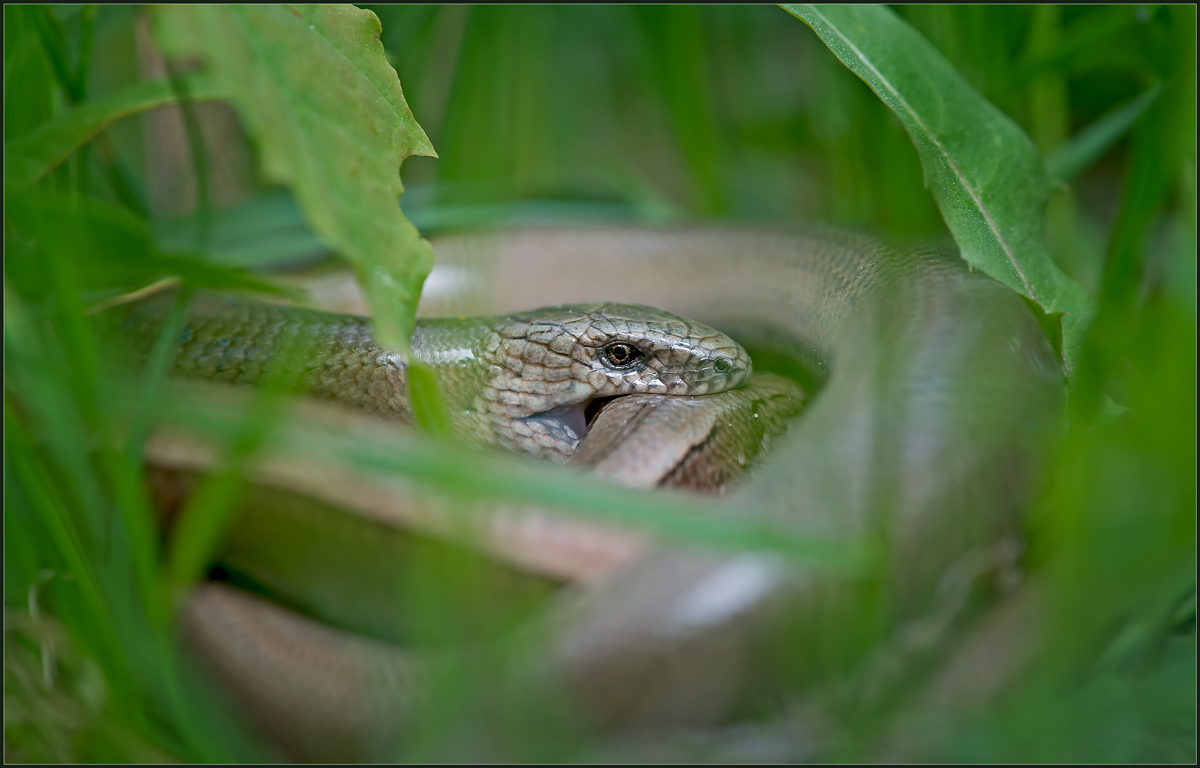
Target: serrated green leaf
{"x":320,"y":99}
{"x":30,"y":157}
{"x":984,"y":172}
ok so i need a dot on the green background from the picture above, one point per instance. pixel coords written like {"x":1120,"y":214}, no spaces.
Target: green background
{"x":651,"y":114}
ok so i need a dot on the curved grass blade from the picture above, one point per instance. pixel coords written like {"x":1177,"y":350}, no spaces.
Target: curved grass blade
{"x":984,"y":172}
{"x":1078,"y":153}
{"x":329,"y":438}
{"x":32,"y":156}
{"x":109,"y":250}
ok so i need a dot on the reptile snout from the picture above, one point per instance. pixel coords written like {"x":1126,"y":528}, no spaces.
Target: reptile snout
{"x":703,"y":369}
{"x":647,"y":350}
{"x":553,"y":361}
{"x":717,"y":374}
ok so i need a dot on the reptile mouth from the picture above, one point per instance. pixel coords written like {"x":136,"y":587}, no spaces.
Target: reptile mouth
{"x":567,"y":422}
{"x":593,"y":408}
{"x":571,"y":422}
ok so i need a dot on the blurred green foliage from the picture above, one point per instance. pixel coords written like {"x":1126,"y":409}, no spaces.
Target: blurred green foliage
{"x":650,"y":113}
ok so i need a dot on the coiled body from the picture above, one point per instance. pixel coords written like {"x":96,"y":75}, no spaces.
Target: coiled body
{"x":937,"y":390}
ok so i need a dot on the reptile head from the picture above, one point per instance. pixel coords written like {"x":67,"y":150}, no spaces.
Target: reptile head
{"x":550,"y":363}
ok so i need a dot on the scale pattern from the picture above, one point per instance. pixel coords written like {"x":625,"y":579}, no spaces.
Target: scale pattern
{"x":519,"y":381}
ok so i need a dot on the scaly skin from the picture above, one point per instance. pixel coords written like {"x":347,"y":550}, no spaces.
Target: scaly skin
{"x":518,"y":381}
{"x":938,"y":396}
{"x":324,"y":695}
{"x":938,"y":391}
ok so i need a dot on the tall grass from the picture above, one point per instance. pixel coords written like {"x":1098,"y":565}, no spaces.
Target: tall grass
{"x":656,"y":113}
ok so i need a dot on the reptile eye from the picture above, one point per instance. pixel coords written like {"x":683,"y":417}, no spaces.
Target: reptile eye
{"x":622,"y":355}
{"x":722,"y":365}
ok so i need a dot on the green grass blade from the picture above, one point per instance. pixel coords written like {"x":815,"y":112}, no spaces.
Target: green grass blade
{"x":429,"y":403}
{"x":477,"y":476}
{"x":109,"y":250}
{"x":32,"y":156}
{"x":199,"y":155}
{"x":677,"y":59}
{"x":1082,"y":150}
{"x":987,"y":177}
{"x":29,"y":91}
{"x":50,"y":32}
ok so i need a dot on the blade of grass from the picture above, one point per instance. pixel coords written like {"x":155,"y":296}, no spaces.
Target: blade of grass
{"x":1161,"y":143}
{"x":1079,"y":152}
{"x":50,"y":32}
{"x":33,"y":155}
{"x":429,"y":403}
{"x":675,"y":46}
{"x":29,"y":90}
{"x":47,"y":395}
{"x":208,"y":514}
{"x":477,"y":476}
{"x":128,"y":469}
{"x":106,"y":250}
{"x":994,"y":210}
{"x":54,"y":41}
{"x":87,"y":28}
{"x":199,"y":155}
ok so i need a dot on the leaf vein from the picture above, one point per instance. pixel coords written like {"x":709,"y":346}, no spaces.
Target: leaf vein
{"x":932,"y":137}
